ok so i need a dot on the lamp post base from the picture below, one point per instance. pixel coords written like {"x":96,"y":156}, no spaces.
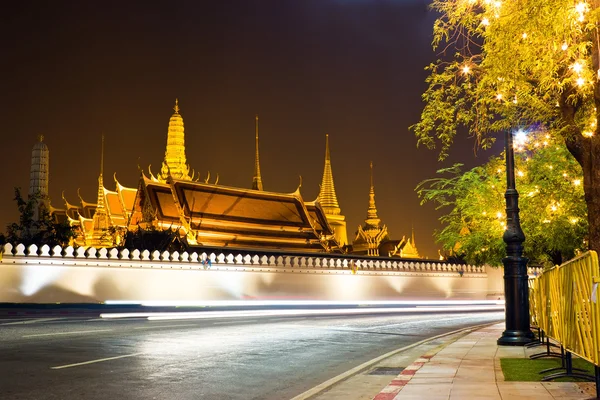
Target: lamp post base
{"x":516,"y":338}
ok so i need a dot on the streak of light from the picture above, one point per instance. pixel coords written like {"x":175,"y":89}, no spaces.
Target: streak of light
{"x":66,"y":333}
{"x":281,"y":303}
{"x":159,"y":316}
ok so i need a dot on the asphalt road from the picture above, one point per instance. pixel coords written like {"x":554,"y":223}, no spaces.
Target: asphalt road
{"x":243,"y":358}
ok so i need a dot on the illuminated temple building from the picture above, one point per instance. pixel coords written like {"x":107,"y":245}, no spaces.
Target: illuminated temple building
{"x":372,"y":239}
{"x":209,"y":214}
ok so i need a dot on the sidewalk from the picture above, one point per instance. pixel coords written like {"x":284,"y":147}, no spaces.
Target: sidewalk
{"x":469,"y":368}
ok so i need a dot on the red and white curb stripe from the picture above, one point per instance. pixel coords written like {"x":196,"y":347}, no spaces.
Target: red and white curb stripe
{"x":396,"y":385}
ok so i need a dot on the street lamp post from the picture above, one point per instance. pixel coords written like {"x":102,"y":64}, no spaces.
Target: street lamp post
{"x":516,"y":291}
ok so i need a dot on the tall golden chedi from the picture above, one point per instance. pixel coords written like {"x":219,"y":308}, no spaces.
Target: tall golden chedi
{"x":39,"y":176}
{"x":175,"y":164}
{"x":370,"y":235}
{"x":257,"y":183}
{"x":329,"y":202}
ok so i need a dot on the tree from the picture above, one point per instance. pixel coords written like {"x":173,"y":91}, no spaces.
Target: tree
{"x":552,"y":206}
{"x":512,"y":64}
{"x":154,"y":239}
{"x":40,"y":231}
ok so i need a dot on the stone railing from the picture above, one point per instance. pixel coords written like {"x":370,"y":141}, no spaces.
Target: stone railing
{"x":216,"y":259}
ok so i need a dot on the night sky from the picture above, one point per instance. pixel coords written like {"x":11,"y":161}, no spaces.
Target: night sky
{"x":74,"y":70}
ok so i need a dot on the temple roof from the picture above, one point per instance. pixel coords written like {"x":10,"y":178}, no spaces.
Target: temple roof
{"x":241,"y":218}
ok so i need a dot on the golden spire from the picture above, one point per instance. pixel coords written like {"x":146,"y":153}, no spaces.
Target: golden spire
{"x":257,"y":179}
{"x":372,"y":218}
{"x":100,"y":217}
{"x":101,"y":178}
{"x":327,"y":197}
{"x":175,"y":164}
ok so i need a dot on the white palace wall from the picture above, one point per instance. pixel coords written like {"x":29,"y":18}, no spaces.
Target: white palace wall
{"x":89,"y":275}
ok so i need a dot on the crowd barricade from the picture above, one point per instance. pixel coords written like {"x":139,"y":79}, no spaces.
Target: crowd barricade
{"x":564,"y":307}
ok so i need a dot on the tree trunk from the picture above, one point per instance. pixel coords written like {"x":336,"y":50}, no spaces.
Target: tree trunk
{"x":586,"y":151}
{"x":591,"y":187}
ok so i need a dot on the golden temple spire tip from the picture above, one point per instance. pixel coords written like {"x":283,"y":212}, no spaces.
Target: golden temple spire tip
{"x":257,"y":178}
{"x":256,"y":126}
{"x":176,"y":108}
{"x":41,"y":138}
{"x":371,"y":165}
{"x":102,"y":156}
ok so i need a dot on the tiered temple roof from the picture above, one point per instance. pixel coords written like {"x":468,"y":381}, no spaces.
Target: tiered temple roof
{"x":220,"y":216}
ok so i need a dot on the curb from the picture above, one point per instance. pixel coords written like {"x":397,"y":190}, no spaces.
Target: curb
{"x":337,"y":379}
{"x":396,"y":385}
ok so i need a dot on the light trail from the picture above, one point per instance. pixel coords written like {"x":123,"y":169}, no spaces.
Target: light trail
{"x":301,"y":303}
{"x":159,"y":316}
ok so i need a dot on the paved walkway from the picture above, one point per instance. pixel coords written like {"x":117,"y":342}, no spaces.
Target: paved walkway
{"x":469,"y":368}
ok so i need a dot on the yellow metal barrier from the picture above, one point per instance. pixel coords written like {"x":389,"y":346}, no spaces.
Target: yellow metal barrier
{"x":565,"y":305}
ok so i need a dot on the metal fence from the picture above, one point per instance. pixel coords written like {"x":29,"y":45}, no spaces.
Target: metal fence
{"x":564,"y":307}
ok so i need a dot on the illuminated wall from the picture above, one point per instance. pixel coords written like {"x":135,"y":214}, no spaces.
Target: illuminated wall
{"x":96,"y":275}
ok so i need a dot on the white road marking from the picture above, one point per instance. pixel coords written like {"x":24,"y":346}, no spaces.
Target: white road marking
{"x":236,"y":321}
{"x":66,"y":333}
{"x":164,"y":326}
{"x":95,"y":361}
{"x":30,"y":321}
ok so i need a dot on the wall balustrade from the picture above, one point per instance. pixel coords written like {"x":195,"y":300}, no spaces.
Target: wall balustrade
{"x":156,"y":259}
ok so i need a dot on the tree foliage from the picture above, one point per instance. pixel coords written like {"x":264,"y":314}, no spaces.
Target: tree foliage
{"x":155,"y":239}
{"x":553,"y":209}
{"x":505,"y":65}
{"x":41,"y":230}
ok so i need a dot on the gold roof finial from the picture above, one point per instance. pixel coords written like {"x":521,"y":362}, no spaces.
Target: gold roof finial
{"x":327,"y":196}
{"x":257,"y":178}
{"x":41,"y":138}
{"x":102,"y":157}
{"x":176,"y":108}
{"x":371,"y":165}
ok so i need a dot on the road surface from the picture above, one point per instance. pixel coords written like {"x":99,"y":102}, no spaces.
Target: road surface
{"x":222,"y":358}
